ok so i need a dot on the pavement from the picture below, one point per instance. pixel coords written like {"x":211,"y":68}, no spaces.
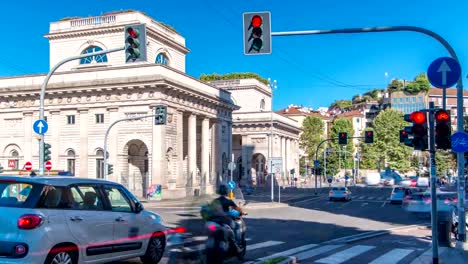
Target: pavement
{"x":310,"y":228}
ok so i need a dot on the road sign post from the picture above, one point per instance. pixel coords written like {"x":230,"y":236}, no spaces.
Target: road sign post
{"x":432,"y":151}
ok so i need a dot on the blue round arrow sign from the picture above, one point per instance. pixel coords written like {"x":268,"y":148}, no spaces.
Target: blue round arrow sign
{"x":40,"y":127}
{"x":232,"y":185}
{"x":460,"y":142}
{"x":444,"y":72}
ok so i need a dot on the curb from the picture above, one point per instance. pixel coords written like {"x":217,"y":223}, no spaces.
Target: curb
{"x":265,"y":205}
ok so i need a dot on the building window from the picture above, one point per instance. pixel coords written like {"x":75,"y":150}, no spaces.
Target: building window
{"x":407,"y":99}
{"x":401,"y":100}
{"x":420,"y":99}
{"x":262,"y":104}
{"x":99,"y":118}
{"x":395,"y":100}
{"x":161,"y":58}
{"x":357,"y":120}
{"x":71,"y":162}
{"x":99,"y":164}
{"x":93,"y":59}
{"x":70,"y":119}
{"x":414,"y":99}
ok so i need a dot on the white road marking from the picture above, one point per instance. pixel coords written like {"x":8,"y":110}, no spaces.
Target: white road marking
{"x":364,"y":204}
{"x":316,"y":251}
{"x":392,"y":257}
{"x":311,"y":199}
{"x":289,"y":252}
{"x":383,"y":205}
{"x":264,"y":244}
{"x":361,"y":197}
{"x":345,"y":255}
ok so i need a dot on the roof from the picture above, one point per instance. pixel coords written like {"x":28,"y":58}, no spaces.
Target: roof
{"x":299,"y":110}
{"x":352,"y":113}
{"x":54,"y":180}
{"x":450,"y":92}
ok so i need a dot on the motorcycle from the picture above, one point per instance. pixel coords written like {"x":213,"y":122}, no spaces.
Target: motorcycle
{"x":225,"y":242}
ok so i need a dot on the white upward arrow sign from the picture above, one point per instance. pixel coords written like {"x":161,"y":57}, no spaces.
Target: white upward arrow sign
{"x":444,"y":68}
{"x":40,"y":126}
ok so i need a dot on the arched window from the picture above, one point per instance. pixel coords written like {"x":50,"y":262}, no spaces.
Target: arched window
{"x":71,"y":161}
{"x":161,"y":58}
{"x":14,"y":160}
{"x":99,"y":164}
{"x":262,"y":104}
{"x":93,"y":59}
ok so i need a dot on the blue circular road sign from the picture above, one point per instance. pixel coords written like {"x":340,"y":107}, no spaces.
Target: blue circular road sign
{"x":460,"y":142}
{"x":232,"y":185}
{"x":40,"y":127}
{"x":444,"y":72}
{"x":346,"y":177}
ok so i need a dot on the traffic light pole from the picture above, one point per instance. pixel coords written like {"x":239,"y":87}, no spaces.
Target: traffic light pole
{"x":316,"y":159}
{"x":107,"y":135}
{"x":432,"y":151}
{"x":451,"y":51}
{"x":43,"y":90}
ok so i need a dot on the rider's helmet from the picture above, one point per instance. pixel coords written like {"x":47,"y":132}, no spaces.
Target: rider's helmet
{"x":223,"y":189}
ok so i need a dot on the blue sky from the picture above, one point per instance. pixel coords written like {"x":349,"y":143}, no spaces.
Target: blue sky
{"x":310,"y":70}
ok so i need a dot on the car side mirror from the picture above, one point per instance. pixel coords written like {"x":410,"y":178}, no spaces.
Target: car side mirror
{"x":139,"y":207}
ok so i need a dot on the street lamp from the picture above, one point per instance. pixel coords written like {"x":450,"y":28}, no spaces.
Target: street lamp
{"x":270,"y":141}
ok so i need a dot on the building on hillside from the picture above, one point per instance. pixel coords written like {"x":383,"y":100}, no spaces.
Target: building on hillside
{"x":299,"y":113}
{"x":408,"y":103}
{"x":435,"y":95}
{"x":259,"y":133}
{"x":186,"y":156}
{"x":358,"y":121}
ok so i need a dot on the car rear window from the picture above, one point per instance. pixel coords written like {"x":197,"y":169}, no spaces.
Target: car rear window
{"x":15,"y":194}
{"x":339,"y":189}
{"x":398,"y":190}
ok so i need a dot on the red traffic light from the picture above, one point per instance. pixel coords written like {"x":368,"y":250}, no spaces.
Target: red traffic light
{"x":442,"y":116}
{"x":257,"y":21}
{"x":418,"y":117}
{"x":132,"y":32}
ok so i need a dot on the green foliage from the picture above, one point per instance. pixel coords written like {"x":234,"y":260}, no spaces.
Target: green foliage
{"x":232,"y":76}
{"x":445,"y":161}
{"x":336,"y":159}
{"x":387,"y":144}
{"x":395,"y":86}
{"x":312,"y":134}
{"x":342,"y":104}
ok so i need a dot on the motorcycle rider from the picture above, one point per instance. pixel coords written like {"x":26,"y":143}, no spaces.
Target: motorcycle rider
{"x":226,"y":204}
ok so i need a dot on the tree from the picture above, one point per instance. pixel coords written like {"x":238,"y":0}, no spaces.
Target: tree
{"x":444,"y":161}
{"x":395,"y":86}
{"x":336,"y":160}
{"x":232,"y":76}
{"x":420,"y":84}
{"x":312,"y":134}
{"x":387,"y":147}
{"x":342,"y":104}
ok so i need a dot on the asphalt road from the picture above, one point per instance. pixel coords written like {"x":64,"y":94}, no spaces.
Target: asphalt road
{"x":307,"y":221}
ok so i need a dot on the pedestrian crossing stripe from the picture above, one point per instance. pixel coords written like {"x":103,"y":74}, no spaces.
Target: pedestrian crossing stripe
{"x":289,"y":252}
{"x":345,"y":255}
{"x":392,"y":256}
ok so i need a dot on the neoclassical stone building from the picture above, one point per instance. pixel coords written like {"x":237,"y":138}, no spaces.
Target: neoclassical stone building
{"x":186,"y":156}
{"x":260,"y":133}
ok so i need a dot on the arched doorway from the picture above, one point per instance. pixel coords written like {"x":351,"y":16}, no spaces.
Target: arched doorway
{"x":259,"y":168}
{"x":135,"y":174}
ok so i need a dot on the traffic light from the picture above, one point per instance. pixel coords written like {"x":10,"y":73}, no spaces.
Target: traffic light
{"x":47,"y":152}
{"x":369,"y":137}
{"x":443,"y":130}
{"x":418,"y":130}
{"x":135,"y":43}
{"x":110,"y":169}
{"x":343,"y":138}
{"x":160,"y":115}
{"x":257,"y":33}
{"x":403,"y":136}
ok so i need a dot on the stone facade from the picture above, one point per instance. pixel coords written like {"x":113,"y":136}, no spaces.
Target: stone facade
{"x":258,"y":133}
{"x":83,"y":100}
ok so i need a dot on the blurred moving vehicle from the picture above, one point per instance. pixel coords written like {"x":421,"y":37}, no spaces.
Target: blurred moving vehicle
{"x":398,"y":194}
{"x":339,"y":193}
{"x":68,"y":220}
{"x":387,"y":181}
{"x":373,"y":178}
{"x":422,"y":182}
{"x":421,"y":202}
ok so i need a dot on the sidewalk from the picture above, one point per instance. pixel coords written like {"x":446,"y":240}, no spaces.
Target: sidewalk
{"x":446,"y":256}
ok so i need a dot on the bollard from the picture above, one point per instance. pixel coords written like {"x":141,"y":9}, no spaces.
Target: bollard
{"x":444,"y":223}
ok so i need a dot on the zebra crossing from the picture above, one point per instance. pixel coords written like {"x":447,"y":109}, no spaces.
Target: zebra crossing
{"x":310,"y":253}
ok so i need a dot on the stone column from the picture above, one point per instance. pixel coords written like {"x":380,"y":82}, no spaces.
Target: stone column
{"x":112,"y":144}
{"x":246,"y":161}
{"x":83,"y":170}
{"x":283,"y":154}
{"x":158,"y":156}
{"x":27,"y":151}
{"x":54,"y":140}
{"x":289,"y":164}
{"x":180,"y":181}
{"x":192,"y":148}
{"x":205,"y":157}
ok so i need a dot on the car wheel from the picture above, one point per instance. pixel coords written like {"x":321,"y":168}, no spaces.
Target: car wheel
{"x":62,"y":256}
{"x":155,"y":250}
{"x":330,"y":199}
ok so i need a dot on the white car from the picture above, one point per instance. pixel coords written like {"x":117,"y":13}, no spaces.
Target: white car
{"x":339,"y":193}
{"x":67,"y":220}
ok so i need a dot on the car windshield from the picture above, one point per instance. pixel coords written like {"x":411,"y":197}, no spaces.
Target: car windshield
{"x":15,"y":194}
